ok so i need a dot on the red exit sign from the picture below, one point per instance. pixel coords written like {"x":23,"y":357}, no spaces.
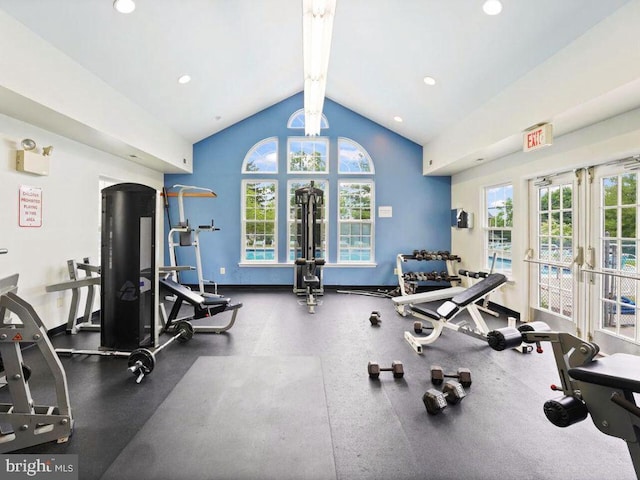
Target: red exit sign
{"x":541,"y":136}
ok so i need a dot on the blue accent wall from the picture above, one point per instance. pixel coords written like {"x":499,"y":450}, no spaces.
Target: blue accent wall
{"x":421,"y":205}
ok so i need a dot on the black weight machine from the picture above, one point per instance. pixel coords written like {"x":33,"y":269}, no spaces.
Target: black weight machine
{"x":308,"y":267}
{"x":129,"y":281}
{"x":602,"y":387}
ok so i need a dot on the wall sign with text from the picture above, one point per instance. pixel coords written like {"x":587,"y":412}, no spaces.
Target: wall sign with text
{"x":30,"y":206}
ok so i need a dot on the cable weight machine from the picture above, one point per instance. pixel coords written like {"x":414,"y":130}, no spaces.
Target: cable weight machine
{"x":308,"y":268}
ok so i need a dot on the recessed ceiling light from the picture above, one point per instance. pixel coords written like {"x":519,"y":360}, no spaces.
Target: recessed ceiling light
{"x":492,"y":7}
{"x":124,"y":6}
{"x":429,"y":80}
{"x":184,"y":79}
{"x":398,"y":118}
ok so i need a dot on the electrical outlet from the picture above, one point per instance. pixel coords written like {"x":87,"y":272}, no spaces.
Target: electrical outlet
{"x":395,"y":271}
{"x":223,"y":270}
{"x":59,"y":302}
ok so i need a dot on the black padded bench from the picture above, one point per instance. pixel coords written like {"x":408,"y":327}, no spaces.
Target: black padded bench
{"x":311,"y":280}
{"x":449,"y":308}
{"x":203,"y":306}
{"x":619,"y":370}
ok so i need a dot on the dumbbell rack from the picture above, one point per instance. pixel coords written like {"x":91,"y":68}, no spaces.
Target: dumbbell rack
{"x":408,"y":281}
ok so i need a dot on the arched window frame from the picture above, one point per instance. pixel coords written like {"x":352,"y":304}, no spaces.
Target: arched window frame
{"x":296,"y":120}
{"x":355,"y":220}
{"x":361,"y":150}
{"x":256,"y":150}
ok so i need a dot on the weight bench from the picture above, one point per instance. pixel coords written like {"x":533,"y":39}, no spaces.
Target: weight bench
{"x":602,"y":387}
{"x":203,"y":306}
{"x":401,"y":303}
{"x":440,"y":318}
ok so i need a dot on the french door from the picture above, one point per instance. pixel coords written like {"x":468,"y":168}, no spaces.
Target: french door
{"x":553,"y":246}
{"x":584,"y":239}
{"x":613,"y":278}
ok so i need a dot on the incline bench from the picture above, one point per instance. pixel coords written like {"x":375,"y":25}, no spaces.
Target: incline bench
{"x":203,"y":306}
{"x":465,"y":300}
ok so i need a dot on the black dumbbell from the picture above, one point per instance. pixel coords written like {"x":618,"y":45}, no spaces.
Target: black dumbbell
{"x":435,"y":401}
{"x":373,"y":368}
{"x":375,"y":318}
{"x":463,"y":375}
{"x":418,"y":327}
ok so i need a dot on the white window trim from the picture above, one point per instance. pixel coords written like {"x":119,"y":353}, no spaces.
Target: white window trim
{"x":243,"y":247}
{"x":372,"y":260}
{"x":324,"y":123}
{"x":253,"y":148}
{"x":324,"y":140}
{"x":487,"y":253}
{"x":364,"y":151}
{"x":327,"y":186}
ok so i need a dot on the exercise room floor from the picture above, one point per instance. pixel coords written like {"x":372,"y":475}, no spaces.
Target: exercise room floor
{"x":286,"y":394}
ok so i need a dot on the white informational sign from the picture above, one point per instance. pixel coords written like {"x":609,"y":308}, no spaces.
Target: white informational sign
{"x":385,"y":212}
{"x":30,"y":206}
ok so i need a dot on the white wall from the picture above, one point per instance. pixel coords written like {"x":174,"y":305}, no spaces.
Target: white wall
{"x":593,"y":78}
{"x":608,"y":140}
{"x":71,"y":215}
{"x":41,"y":85}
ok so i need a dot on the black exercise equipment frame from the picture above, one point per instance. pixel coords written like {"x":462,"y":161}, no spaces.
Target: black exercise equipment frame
{"x":308,"y":268}
{"x":604,"y":387}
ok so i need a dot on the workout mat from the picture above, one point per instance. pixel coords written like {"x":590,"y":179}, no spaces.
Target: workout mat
{"x":236,"y":418}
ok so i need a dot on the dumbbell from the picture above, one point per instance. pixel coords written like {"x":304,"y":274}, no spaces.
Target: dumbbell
{"x":468,"y":273}
{"x":373,"y":368}
{"x":375,"y":318}
{"x":142,"y":361}
{"x":463,"y":375}
{"x":436,"y":401}
{"x":418,"y":327}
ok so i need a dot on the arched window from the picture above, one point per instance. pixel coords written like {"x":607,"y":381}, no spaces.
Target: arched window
{"x":296,"y":120}
{"x":262,"y":158}
{"x":352,"y":158}
{"x":353,"y":191}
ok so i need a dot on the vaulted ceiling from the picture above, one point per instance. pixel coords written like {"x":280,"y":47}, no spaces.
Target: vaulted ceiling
{"x":245,"y":55}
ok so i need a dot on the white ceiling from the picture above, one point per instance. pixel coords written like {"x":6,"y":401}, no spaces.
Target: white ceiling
{"x":245,"y":55}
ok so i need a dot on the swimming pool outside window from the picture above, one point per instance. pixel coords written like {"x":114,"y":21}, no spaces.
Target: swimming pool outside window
{"x":498,"y":227}
{"x":259,"y":222}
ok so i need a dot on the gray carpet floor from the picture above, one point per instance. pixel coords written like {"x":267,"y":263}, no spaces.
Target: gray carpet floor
{"x":216,"y":407}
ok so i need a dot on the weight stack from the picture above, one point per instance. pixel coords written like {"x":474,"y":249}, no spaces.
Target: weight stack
{"x":128,"y":266}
